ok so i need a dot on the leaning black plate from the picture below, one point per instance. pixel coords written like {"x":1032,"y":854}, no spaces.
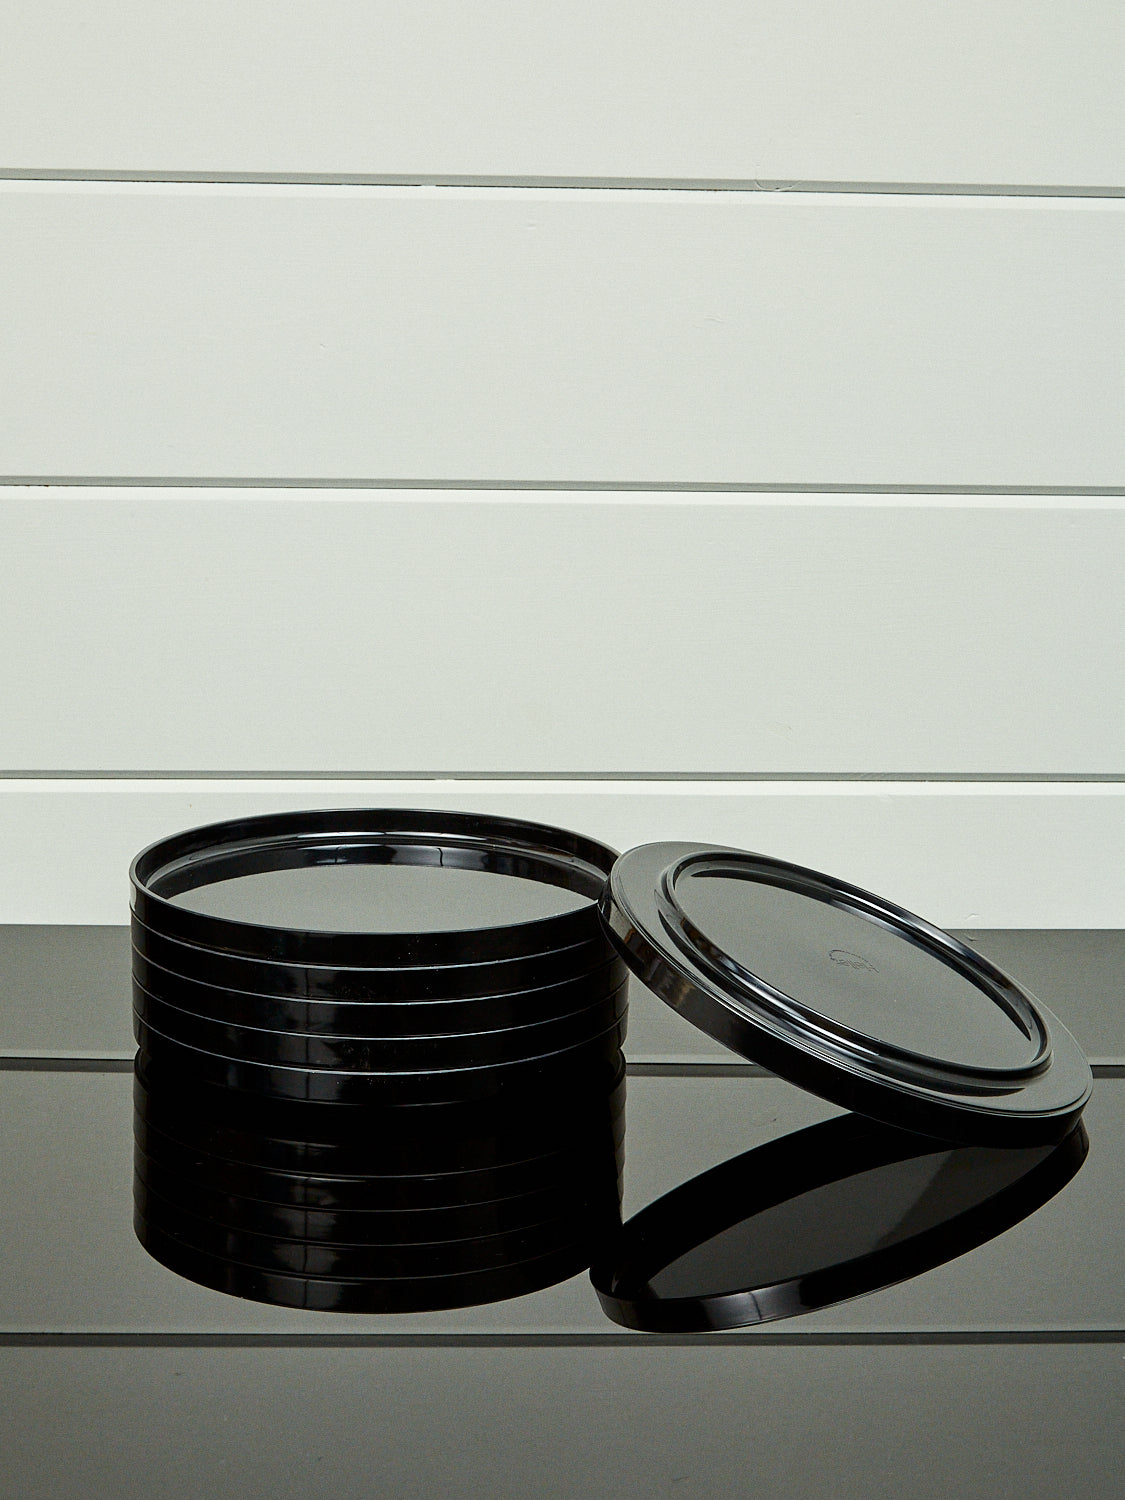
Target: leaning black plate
{"x":815,"y":1218}
{"x":845,"y":994}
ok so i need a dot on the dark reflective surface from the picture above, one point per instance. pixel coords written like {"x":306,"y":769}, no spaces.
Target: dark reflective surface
{"x":818,"y":1217}
{"x":72,"y":1260}
{"x":387,"y":1210}
{"x":375,"y":1209}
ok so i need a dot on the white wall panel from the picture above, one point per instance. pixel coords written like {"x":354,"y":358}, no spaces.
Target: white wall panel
{"x":966,"y":856}
{"x":1016,"y":91}
{"x":451,"y":633}
{"x":550,"y":335}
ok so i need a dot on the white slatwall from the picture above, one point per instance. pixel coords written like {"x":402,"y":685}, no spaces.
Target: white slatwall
{"x":502,"y":335}
{"x":967,"y":855}
{"x":1010,"y":92}
{"x":622,"y":492}
{"x":290,"y":630}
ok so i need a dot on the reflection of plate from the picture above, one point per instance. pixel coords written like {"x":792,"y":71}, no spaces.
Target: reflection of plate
{"x":567,"y":1172}
{"x":360,"y":1295}
{"x":335,"y":1259}
{"x":578,"y":1203}
{"x":434,"y":1208}
{"x":298,"y":1137}
{"x":819,"y":1216}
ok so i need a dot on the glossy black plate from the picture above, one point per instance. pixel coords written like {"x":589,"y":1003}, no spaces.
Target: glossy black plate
{"x":845,"y":994}
{"x":294,"y":875}
{"x":375,"y":1054}
{"x":433,"y":1017}
{"x":453,"y":981}
{"x":583,"y":1066}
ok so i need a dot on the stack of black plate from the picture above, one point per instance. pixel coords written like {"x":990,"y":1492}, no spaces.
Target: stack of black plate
{"x":401,"y":986}
{"x":376,"y":957}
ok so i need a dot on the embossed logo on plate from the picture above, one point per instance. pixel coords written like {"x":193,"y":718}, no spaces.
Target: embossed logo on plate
{"x":851,"y":960}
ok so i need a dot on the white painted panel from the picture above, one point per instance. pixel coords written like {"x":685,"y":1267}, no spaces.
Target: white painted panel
{"x":1015,"y":91}
{"x":965,"y":856}
{"x":551,"y":335}
{"x":451,"y":633}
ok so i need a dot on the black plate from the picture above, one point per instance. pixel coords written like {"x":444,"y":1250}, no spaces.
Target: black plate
{"x":582,"y":1065}
{"x":324,"y":1294}
{"x":818,"y":1217}
{"x":368,"y":1054}
{"x":372,"y":1018}
{"x":326,"y":848}
{"x":459,"y":981}
{"x":845,"y":994}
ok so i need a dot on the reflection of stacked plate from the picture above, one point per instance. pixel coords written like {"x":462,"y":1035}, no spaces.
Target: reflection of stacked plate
{"x":380,"y":1057}
{"x":363,"y":1210}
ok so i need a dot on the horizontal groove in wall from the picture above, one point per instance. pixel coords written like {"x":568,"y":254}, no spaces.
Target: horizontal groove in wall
{"x":563,"y":486}
{"x":565,"y":183}
{"x":624,"y":93}
{"x":1003,"y":778}
{"x":15,"y":1063}
{"x":123,"y":1063}
{"x":50,"y":1340}
{"x":780,"y":786}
